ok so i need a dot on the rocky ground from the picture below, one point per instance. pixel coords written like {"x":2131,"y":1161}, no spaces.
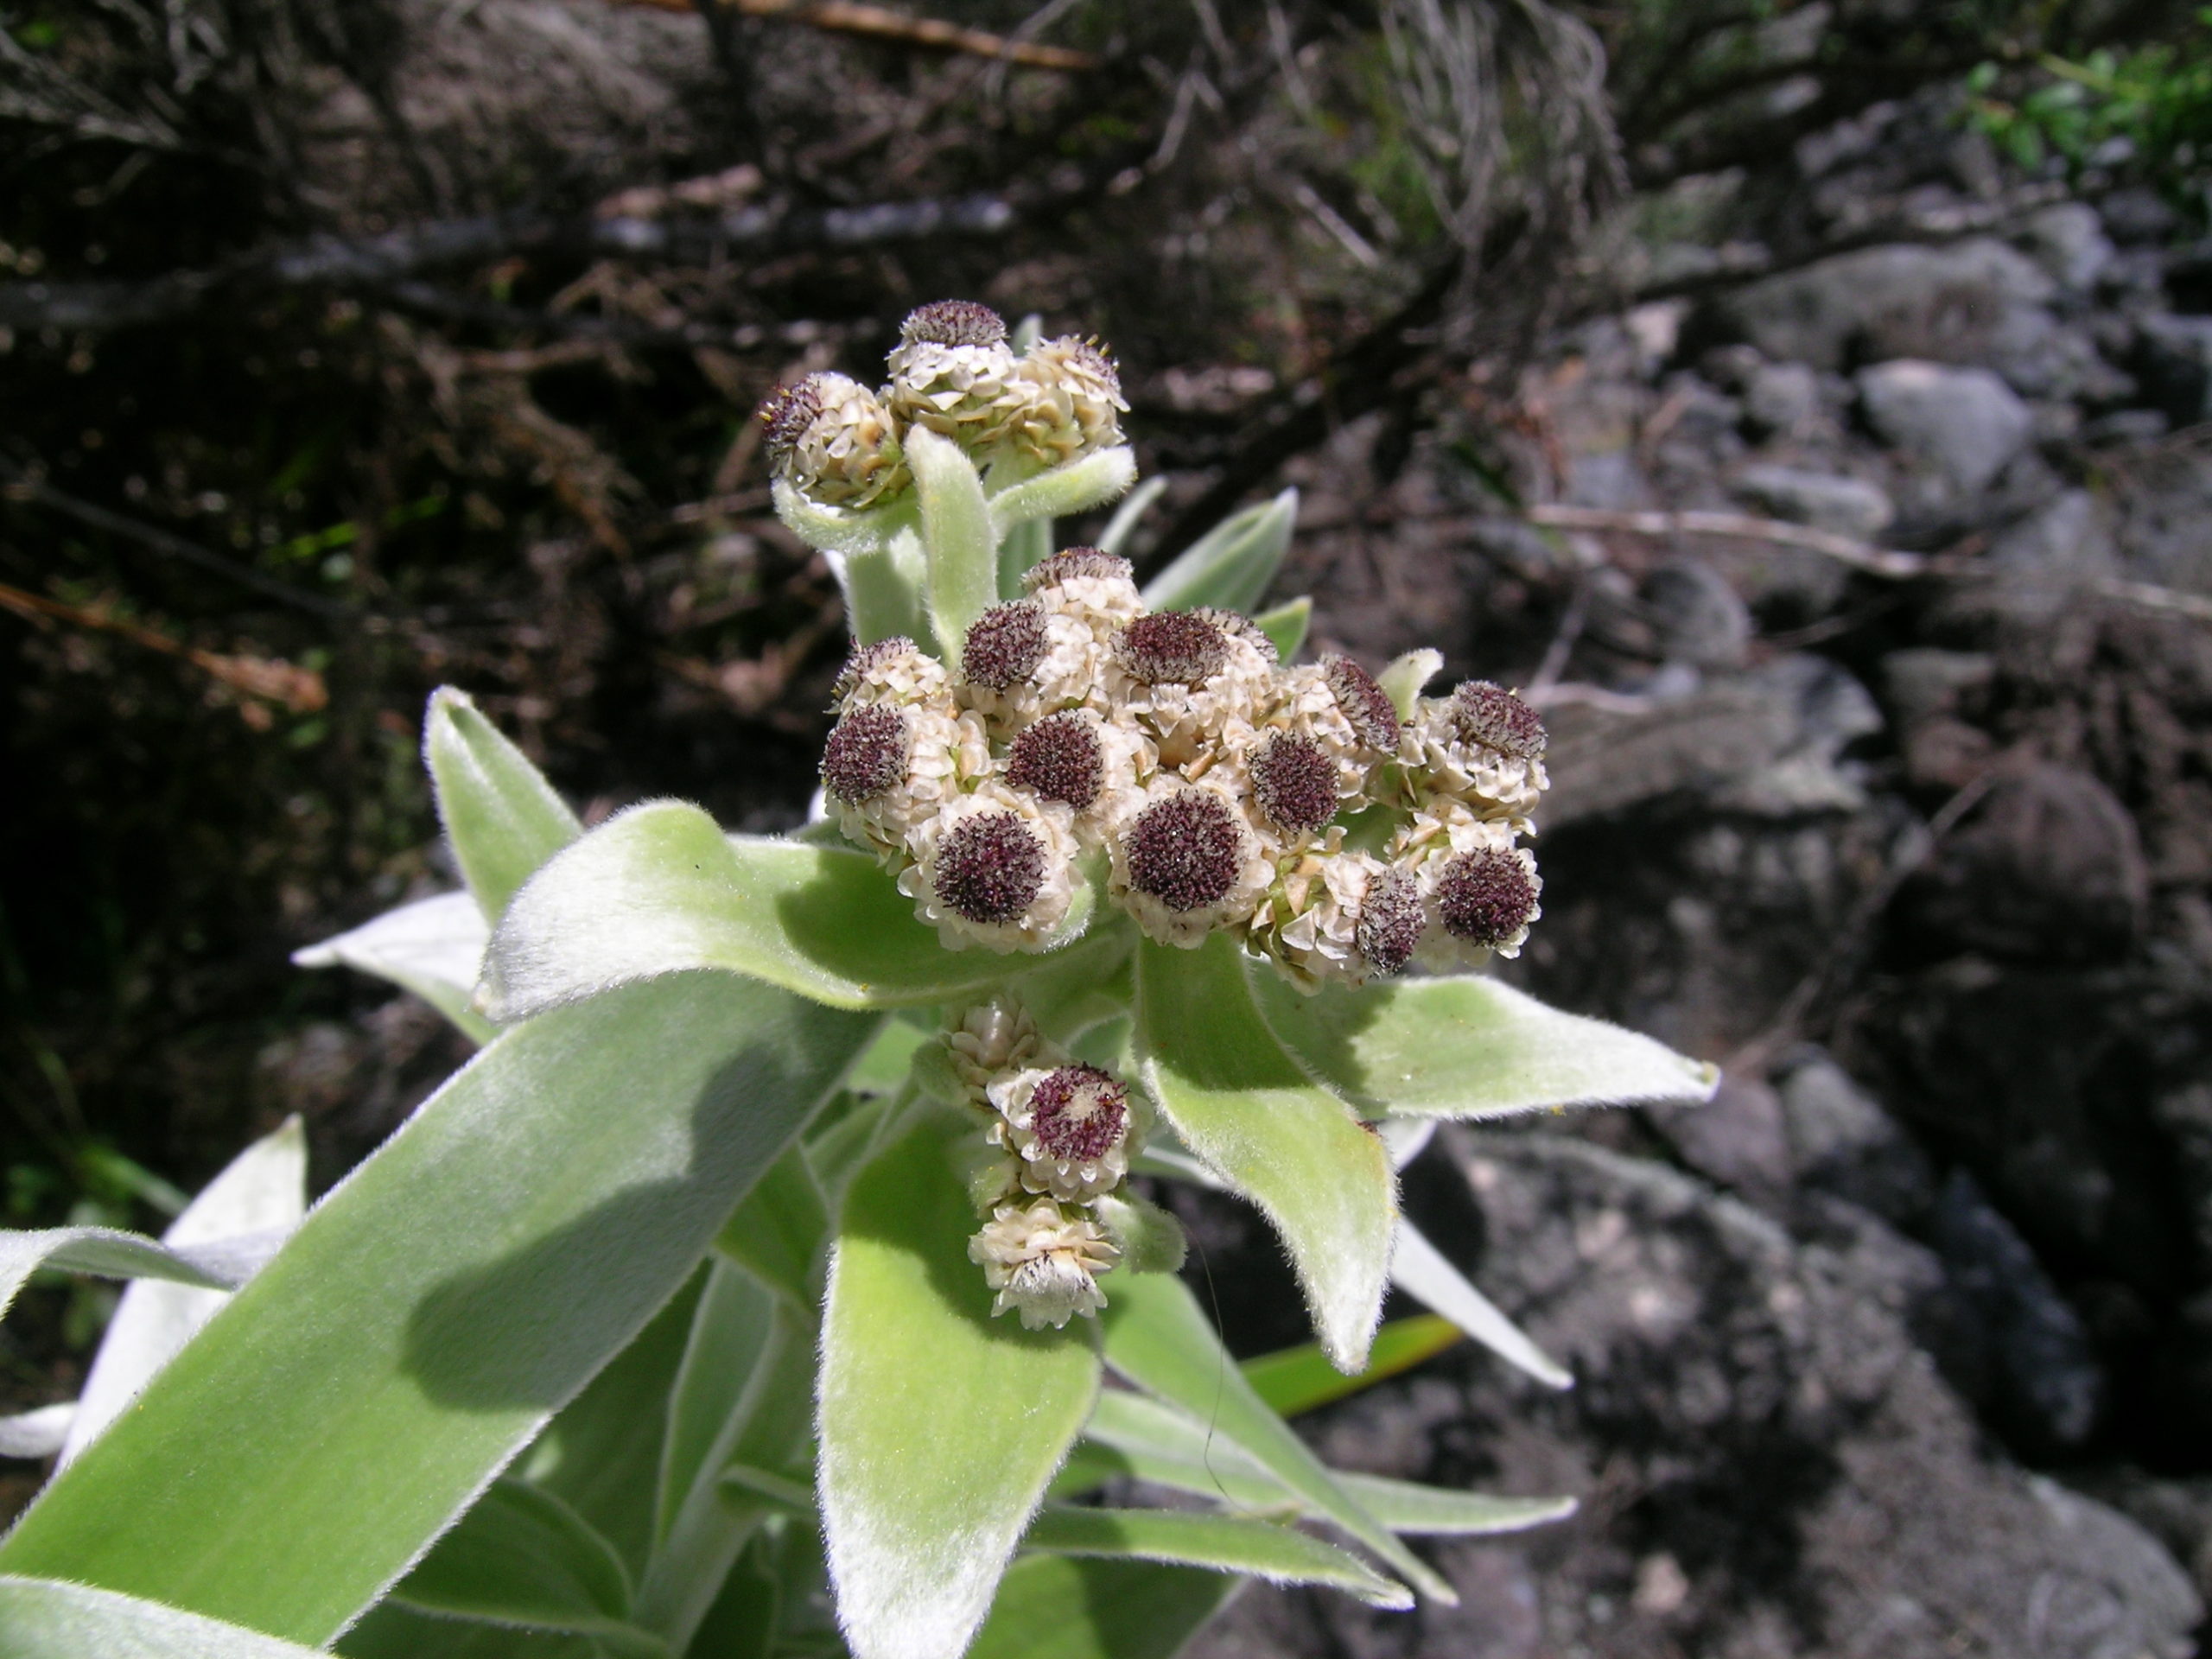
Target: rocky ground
{"x":1903,"y":1345}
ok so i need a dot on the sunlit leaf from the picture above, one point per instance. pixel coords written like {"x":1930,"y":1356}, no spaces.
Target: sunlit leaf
{"x":502,"y":818}
{"x":778,"y":1233}
{"x":1401,"y":680}
{"x":1155,"y":1442}
{"x":433,"y":947}
{"x":38,"y":1433}
{"x":1244,"y":1107}
{"x":115,"y":1255}
{"x":1468,"y":1047}
{"x":1149,"y":1239}
{"x":1065,"y":491}
{"x":1437,"y":1512}
{"x":437,"y":1307}
{"x":659,"y":890}
{"x":959,"y":540}
{"x":263,"y":1190}
{"x":840,"y":531}
{"x":43,"y":1618}
{"x":1066,"y":1607}
{"x":1423,"y":1271}
{"x":1286,"y":625}
{"x":1299,"y":1379}
{"x":940,"y":1426}
{"x":1114,"y":538}
{"x":1225,"y":1543}
{"x":1158,"y":1338}
{"x":1232,"y":564}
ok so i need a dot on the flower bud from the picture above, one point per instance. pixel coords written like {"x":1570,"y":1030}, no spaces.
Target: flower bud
{"x":1064,"y":400}
{"x":1043,"y":1262}
{"x":951,"y":369}
{"x":832,"y":442}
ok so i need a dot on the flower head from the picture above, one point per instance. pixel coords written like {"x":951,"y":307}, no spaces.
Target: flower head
{"x":1186,"y":863}
{"x":992,"y":867}
{"x":1043,"y":1262}
{"x":832,"y":442}
{"x":1062,"y":401}
{"x":1068,"y":1127}
{"x":951,"y":369}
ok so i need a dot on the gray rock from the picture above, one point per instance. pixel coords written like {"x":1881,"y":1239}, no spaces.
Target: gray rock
{"x":1971,"y":302}
{"x":2136,"y":215}
{"x":1842,"y":1142}
{"x":2165,"y":512}
{"x":1737,"y":1137}
{"x":2177,"y":1512}
{"x":2040,"y":566}
{"x":1782,"y":400}
{"x":2173,"y":362}
{"x":1922,"y":680}
{"x":2038,"y":1376}
{"x":1963,"y":424}
{"x":1845,"y":506}
{"x":2069,"y":241}
{"x":1770,"y":1468}
{"x":1696,"y":617}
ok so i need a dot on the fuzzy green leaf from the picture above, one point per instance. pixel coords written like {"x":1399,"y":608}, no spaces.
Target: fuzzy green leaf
{"x":1470,"y":1047}
{"x":1298,"y":1379}
{"x":1124,"y":524}
{"x":502,"y":818}
{"x":883,"y":589}
{"x":263,"y":1190}
{"x":1232,"y":564}
{"x":434,"y":947}
{"x":1065,"y":491}
{"x":660,"y":890}
{"x":43,"y":1618}
{"x":1025,"y":545}
{"x":522,"y":1557}
{"x":435,"y":1309}
{"x":1286,"y":625}
{"x":959,"y":540}
{"x":1149,"y":1239}
{"x":778,"y":1233}
{"x":841,"y":532}
{"x":1244,"y":1107}
{"x":1157,"y":1443}
{"x":1403,"y":680}
{"x":939,"y":1425}
{"x":1424,"y":1273}
{"x":1437,"y":1512}
{"x":1158,"y":1338}
{"x":1224,"y":1544}
{"x":113,"y":1255}
{"x":732,"y":1329}
{"x":1065,"y":1607}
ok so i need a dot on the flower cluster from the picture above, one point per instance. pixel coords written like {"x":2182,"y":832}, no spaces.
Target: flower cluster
{"x":838,"y":444}
{"x":1223,"y":789}
{"x":1058,"y":1138}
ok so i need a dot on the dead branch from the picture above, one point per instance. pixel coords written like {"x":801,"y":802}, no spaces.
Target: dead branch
{"x":849,"y":17}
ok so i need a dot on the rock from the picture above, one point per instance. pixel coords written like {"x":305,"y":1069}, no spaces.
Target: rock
{"x":2173,"y":362}
{"x":2165,"y":512}
{"x":2033,"y":1369}
{"x":1965,"y":424}
{"x":2136,"y":215}
{"x":1976,"y":300}
{"x":2069,"y":241}
{"x":1845,"y":506}
{"x":1696,"y":617}
{"x":2125,"y":427}
{"x":1737,"y":1137}
{"x":2176,"y":1512}
{"x":2042,"y":564}
{"x":1922,"y":680}
{"x":2048,"y":869}
{"x":1842,"y":1142}
{"x":1770,"y":1468}
{"x":1782,"y":400}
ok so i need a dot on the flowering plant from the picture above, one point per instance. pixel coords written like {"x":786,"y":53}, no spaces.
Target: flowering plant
{"x":752,"y":1291}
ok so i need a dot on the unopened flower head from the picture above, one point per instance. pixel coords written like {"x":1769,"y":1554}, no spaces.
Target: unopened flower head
{"x":1062,"y":401}
{"x":830,"y":439}
{"x":951,"y":369}
{"x":894,"y":671}
{"x":1100,"y":588}
{"x":1481,"y":747}
{"x":988,"y":1038}
{"x":1043,"y":1262}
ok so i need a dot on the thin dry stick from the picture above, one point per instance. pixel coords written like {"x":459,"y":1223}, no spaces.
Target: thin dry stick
{"x":1875,"y":561}
{"x":269,"y":679}
{"x":851,"y":18}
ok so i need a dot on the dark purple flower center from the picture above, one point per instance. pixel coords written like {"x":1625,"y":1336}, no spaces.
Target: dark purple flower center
{"x":1184,"y":850}
{"x":1492,"y":716}
{"x":866,"y":753}
{"x":1005,"y":644}
{"x":1059,"y":760}
{"x":786,"y":413}
{"x":954,"y":322}
{"x":1293,"y":782}
{"x":990,"y":867}
{"x":1365,"y":705}
{"x":1077,"y":1113}
{"x":1173,"y":647}
{"x":866,"y":660}
{"x":1390,"y":921}
{"x":1485,"y":897}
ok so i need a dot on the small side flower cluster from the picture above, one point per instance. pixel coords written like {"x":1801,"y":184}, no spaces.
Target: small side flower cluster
{"x":1059,"y":1137}
{"x":838,"y":443}
{"x":1224,"y":789}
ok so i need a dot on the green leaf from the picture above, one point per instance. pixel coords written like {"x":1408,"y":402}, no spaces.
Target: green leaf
{"x":660,"y":890}
{"x":1225,"y":1543}
{"x":884,"y":1067}
{"x":502,"y":818}
{"x":883,"y":589}
{"x":40,"y":1619}
{"x":940,"y":1425}
{"x":112,"y":1254}
{"x":1299,"y":1379}
{"x":37,"y":1434}
{"x":1025,"y":546}
{"x":1470,"y":1047}
{"x":841,"y":532}
{"x":1065,"y":491}
{"x":1158,"y":1338}
{"x":1403,"y":680}
{"x":959,"y":540}
{"x":1124,"y":524}
{"x":731,"y":1331}
{"x":1287,"y":624}
{"x":1149,"y":1239}
{"x":263,"y":1190}
{"x":1155,"y":1442}
{"x":1065,"y":1607}
{"x":1248,"y":1113}
{"x":1232,"y":564}
{"x":392,"y":1630}
{"x":434,"y":947}
{"x":435,"y":1309}
{"x":1436,"y":1512}
{"x":778,"y":1232}
{"x":1420,"y":1269}
{"x":520,"y":1556}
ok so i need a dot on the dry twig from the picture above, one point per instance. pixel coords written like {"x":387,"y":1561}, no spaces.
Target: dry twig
{"x":879,"y":23}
